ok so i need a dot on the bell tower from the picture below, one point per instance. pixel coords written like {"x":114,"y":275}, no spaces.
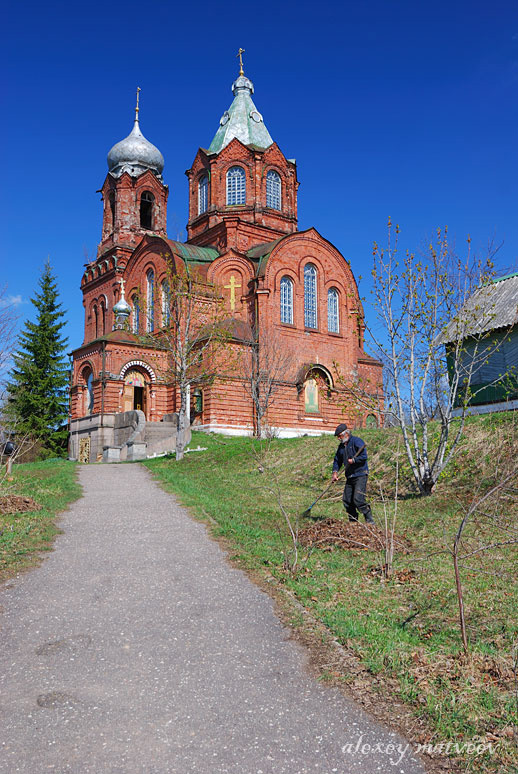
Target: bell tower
{"x":242,"y":189}
{"x":134,"y":194}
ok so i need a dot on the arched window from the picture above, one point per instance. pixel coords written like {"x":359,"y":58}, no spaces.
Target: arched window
{"x":96,"y":322}
{"x":166,"y":303}
{"x":286,"y":300}
{"x":146,"y":210}
{"x":111,"y":200}
{"x":103,"y":317}
{"x":150,"y":301}
{"x":203,"y":194}
{"x":88,"y":400}
{"x":371,"y":421}
{"x":236,"y":186}
{"x":136,"y":314}
{"x":310,"y":296}
{"x":333,"y":317}
{"x":273,"y":189}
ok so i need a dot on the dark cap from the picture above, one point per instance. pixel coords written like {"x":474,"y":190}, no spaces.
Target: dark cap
{"x":340,"y":429}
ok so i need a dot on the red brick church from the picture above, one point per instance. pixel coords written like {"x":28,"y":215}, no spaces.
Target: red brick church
{"x":293,"y":287}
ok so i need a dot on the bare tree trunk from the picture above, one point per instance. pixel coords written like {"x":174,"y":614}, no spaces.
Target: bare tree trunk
{"x":460,"y":597}
{"x":182,"y":423}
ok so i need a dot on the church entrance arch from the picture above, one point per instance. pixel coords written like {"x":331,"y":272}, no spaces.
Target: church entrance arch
{"x":136,"y":391}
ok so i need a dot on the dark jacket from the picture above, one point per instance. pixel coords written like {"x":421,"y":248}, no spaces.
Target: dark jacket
{"x":347,"y":451}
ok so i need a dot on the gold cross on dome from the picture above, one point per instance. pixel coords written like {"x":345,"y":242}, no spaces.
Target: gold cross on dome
{"x":121,"y":283}
{"x":137,"y":107}
{"x":232,"y":288}
{"x":240,"y":55}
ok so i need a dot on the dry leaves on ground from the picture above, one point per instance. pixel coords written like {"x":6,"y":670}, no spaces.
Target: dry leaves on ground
{"x":349,"y":535}
{"x":18,"y":504}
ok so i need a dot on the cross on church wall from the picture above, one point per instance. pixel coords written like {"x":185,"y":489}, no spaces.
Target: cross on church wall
{"x":232,"y":287}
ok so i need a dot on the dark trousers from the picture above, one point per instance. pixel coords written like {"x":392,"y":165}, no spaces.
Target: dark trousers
{"x":354,"y":498}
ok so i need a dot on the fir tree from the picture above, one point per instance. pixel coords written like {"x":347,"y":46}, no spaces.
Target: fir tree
{"x":37,"y":391}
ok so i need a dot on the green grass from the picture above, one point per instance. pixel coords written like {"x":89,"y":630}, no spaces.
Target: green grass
{"x":53,"y":485}
{"x":460,"y":698}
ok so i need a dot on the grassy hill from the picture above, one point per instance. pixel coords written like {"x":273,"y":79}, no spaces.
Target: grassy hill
{"x":401,"y":631}
{"x":29,"y":505}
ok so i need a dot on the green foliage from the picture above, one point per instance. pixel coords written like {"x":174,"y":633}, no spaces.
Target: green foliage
{"x":37,"y":403}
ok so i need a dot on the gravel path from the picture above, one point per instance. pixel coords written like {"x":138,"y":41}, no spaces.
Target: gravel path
{"x":135,"y":647}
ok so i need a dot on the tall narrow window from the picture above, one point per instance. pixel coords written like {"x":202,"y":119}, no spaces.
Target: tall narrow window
{"x":146,"y":210}
{"x":112,"y":207}
{"x":310,"y":296}
{"x":333,"y":318}
{"x":89,"y":381}
{"x":203,"y":194}
{"x":136,"y":314}
{"x":236,"y":186}
{"x":273,"y":189}
{"x":103,"y":318}
{"x":166,"y":303}
{"x":150,"y":301}
{"x":96,"y":322}
{"x":286,"y":300}
{"x":198,"y":401}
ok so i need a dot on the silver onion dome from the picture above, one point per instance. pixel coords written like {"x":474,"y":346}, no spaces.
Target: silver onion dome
{"x":121,"y":310}
{"x":135,"y":155}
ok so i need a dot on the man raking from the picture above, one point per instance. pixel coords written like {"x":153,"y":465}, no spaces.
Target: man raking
{"x":353,"y":455}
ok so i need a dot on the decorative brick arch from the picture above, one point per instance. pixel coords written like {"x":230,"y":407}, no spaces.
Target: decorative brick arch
{"x":139,"y":363}
{"x":308,"y":368}
{"x":85,"y":366}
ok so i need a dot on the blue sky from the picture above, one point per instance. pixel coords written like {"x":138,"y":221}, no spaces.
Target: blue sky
{"x":390,"y":108}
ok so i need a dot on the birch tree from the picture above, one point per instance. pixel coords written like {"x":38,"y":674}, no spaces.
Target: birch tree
{"x":8,"y":322}
{"x":192,"y":342}
{"x":431,"y":340}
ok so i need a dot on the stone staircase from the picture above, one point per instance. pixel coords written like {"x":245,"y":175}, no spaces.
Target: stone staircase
{"x":136,"y":439}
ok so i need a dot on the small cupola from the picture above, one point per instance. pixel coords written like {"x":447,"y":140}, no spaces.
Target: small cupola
{"x":135,"y":154}
{"x":121,"y":310}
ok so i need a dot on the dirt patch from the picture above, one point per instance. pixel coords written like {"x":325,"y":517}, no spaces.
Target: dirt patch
{"x":18,"y":504}
{"x":349,"y":535}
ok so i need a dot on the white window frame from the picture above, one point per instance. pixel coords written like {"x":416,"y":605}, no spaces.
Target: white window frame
{"x":287,"y":300}
{"x":310,"y":296}
{"x":273,"y":189}
{"x":150,"y":301}
{"x":203,"y":194}
{"x":333,"y":311}
{"x":236,"y":186}
{"x":166,"y":303}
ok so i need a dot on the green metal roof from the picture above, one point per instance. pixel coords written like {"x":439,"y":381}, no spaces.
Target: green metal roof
{"x":507,"y":276}
{"x":193,"y":253}
{"x":242,"y":120}
{"x":260,"y":254}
